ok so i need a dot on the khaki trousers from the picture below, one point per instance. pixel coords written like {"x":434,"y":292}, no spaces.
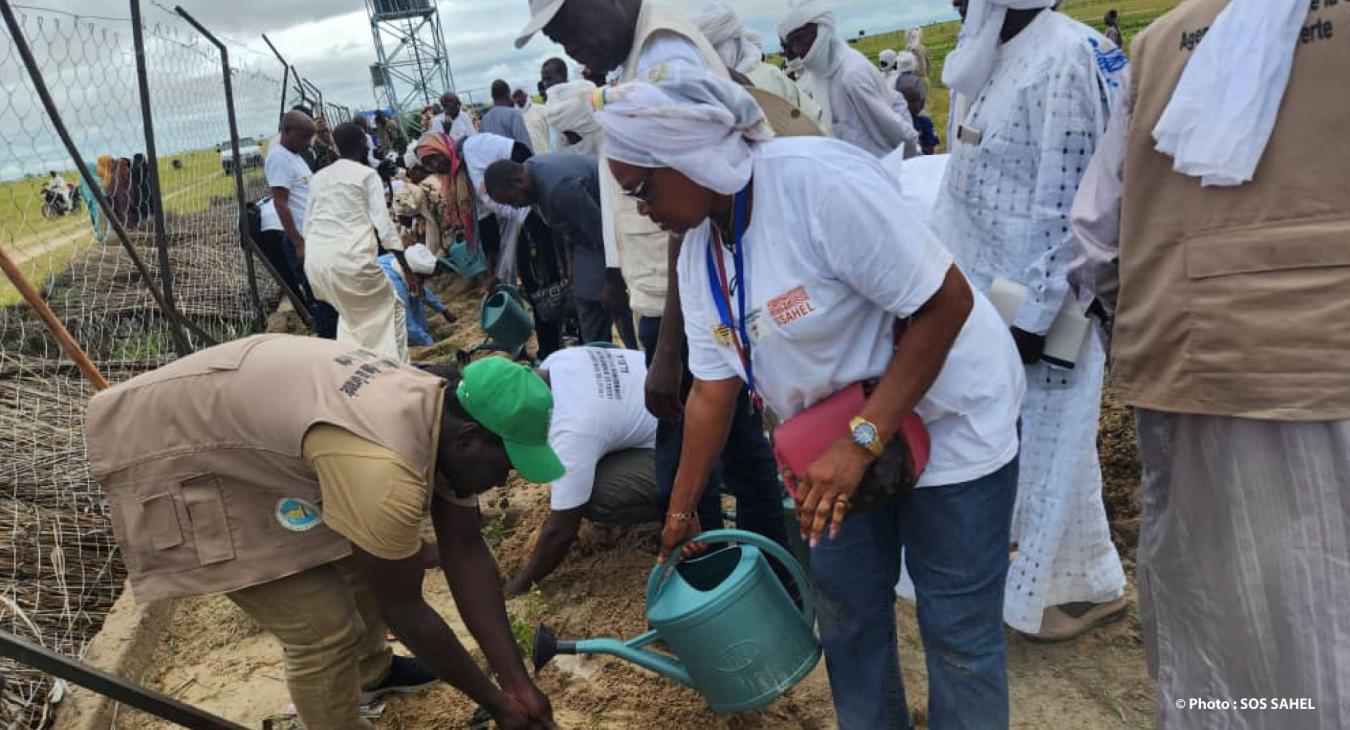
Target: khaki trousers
{"x":332,"y":636}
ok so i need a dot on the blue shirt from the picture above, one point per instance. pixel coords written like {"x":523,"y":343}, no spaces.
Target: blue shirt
{"x":418,"y":331}
{"x":927,"y":136}
{"x":505,"y":121}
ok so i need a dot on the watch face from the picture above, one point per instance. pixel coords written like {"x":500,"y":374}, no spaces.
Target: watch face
{"x":865,"y":434}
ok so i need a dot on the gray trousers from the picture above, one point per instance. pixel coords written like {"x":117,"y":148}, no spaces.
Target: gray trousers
{"x":625,"y":489}
{"x":1244,"y":570}
{"x":598,"y":326}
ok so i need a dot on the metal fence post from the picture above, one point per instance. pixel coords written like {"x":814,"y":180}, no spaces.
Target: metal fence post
{"x":40,"y":85}
{"x":157,"y":194}
{"x":246,"y":242}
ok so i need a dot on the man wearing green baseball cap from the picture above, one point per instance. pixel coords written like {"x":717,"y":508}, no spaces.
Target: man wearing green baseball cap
{"x":311,"y":468}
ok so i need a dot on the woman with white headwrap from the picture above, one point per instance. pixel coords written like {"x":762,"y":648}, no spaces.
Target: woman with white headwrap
{"x":743,"y":52}
{"x":1041,"y":101}
{"x":799,"y":257}
{"x":861,"y":108}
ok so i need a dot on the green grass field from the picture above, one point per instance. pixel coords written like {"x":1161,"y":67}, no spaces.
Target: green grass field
{"x":27,"y":236}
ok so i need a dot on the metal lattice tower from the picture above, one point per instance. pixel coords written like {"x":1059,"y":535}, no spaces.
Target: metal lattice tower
{"x":413,"y":62}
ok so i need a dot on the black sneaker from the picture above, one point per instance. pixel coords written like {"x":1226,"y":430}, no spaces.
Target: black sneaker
{"x":406,"y":675}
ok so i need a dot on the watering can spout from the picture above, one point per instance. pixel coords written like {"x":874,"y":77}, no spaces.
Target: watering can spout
{"x":547,"y":646}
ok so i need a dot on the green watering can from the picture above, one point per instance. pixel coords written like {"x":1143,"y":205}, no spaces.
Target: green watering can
{"x":508,"y":325}
{"x":463,"y":261}
{"x":736,"y":635}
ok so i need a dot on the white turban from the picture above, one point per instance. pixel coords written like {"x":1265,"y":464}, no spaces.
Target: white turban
{"x":806,"y":12}
{"x":1224,"y":108}
{"x":968,"y":67}
{"x":420,"y":259}
{"x":913,"y":38}
{"x":569,"y":110}
{"x":906,"y":62}
{"x":739,"y":48}
{"x":887,"y":59}
{"x":688,"y":119}
{"x":817,"y":68}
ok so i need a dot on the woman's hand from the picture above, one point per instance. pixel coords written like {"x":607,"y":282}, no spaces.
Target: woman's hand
{"x":677,"y":530}
{"x":824,"y":491}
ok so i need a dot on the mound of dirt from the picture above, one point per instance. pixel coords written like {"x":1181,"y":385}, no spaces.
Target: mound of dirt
{"x":214,"y":656}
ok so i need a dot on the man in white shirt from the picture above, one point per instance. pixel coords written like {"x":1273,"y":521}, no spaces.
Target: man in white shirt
{"x":637,"y":36}
{"x":1041,"y":84}
{"x":602,"y":432}
{"x":862,"y":110}
{"x":454,"y":121}
{"x":283,"y":216}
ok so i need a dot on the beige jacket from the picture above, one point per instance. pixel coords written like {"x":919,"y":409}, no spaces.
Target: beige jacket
{"x":1232,"y":301}
{"x":201,"y":459}
{"x":632,"y":242}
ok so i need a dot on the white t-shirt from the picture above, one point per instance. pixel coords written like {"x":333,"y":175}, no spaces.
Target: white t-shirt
{"x":285,"y":169}
{"x":832,"y":256}
{"x":598,"y":408}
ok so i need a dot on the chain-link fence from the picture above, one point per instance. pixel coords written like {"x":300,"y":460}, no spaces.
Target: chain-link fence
{"x":171,"y":228}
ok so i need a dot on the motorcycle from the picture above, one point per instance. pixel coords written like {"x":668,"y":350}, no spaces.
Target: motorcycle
{"x":54,"y":205}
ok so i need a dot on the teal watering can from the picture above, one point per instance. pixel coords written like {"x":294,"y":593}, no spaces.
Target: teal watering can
{"x":736,"y":636}
{"x":505,"y":320}
{"x":464,"y":261}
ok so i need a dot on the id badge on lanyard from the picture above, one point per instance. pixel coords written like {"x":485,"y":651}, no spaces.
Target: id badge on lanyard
{"x":735,"y":333}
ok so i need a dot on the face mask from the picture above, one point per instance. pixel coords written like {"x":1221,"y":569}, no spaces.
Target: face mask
{"x":796,"y":66}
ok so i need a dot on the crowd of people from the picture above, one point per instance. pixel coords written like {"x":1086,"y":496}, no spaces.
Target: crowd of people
{"x":767,"y":243}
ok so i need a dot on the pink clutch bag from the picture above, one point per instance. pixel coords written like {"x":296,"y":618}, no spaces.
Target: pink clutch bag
{"x":800,"y":440}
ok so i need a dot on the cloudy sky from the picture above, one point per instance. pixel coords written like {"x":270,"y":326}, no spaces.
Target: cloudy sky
{"x":90,"y":68}
{"x":329,"y":41}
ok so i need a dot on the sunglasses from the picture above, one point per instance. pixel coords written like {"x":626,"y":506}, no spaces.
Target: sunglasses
{"x":642,"y":193}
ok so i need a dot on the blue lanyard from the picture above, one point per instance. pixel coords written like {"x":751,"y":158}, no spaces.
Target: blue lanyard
{"x":721,"y":293}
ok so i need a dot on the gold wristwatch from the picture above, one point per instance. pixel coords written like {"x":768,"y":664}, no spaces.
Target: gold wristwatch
{"x":866,"y":435}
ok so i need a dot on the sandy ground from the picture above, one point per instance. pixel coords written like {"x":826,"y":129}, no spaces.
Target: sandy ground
{"x":213,"y":656}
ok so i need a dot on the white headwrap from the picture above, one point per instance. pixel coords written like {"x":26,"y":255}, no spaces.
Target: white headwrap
{"x":827,"y":53}
{"x":688,"y":119}
{"x":815,"y":69}
{"x":739,"y":48}
{"x":1224,"y":108}
{"x":968,"y":67}
{"x":420,"y":259}
{"x":913,"y":38}
{"x":887,"y":59}
{"x":906,"y":62}
{"x":569,"y":110}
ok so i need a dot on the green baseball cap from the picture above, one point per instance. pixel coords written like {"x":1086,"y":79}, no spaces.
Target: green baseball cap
{"x":509,"y":400}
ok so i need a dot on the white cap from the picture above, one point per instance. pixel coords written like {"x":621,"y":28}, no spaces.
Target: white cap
{"x":420,"y":259}
{"x":541,"y":13}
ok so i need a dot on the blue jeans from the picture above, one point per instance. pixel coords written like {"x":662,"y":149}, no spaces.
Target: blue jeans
{"x":955,"y":540}
{"x":746,"y":468}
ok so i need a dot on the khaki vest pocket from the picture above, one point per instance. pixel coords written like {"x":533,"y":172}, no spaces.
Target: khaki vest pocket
{"x":1274,"y":293}
{"x":210,"y":525}
{"x":161,"y":521}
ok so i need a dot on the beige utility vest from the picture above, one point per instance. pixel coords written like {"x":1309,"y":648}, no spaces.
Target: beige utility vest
{"x":1236,"y":301}
{"x":201,"y":459}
